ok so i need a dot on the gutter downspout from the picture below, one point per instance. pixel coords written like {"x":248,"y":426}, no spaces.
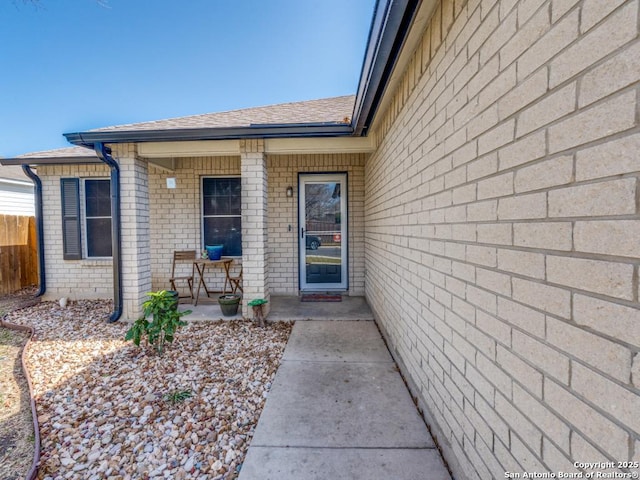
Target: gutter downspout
{"x":39,"y":227}
{"x":104,"y":154}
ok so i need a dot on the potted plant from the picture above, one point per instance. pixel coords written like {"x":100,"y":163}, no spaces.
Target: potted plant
{"x":162,"y":307}
{"x":258,"y":313}
{"x":229,"y":304}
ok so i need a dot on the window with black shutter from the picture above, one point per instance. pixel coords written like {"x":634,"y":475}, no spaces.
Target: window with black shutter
{"x":97,"y":217}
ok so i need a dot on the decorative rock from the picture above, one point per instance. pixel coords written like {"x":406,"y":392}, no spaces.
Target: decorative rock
{"x":230,"y":456}
{"x":93,"y":456}
{"x":158,"y":471}
{"x":100,"y":418}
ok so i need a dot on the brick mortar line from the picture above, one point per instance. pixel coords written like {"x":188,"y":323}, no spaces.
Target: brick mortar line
{"x":566,"y":82}
{"x":577,"y":254}
{"x":631,"y":433}
{"x":496,"y":269}
{"x":614,"y":340}
{"x":514,"y":170}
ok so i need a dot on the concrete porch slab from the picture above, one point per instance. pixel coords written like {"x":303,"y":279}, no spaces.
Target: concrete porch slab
{"x":342,"y":464}
{"x":285,"y":308}
{"x":331,"y":404}
{"x":206,"y":310}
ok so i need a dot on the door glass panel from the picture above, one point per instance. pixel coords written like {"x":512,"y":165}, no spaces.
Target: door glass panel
{"x":323,"y":232}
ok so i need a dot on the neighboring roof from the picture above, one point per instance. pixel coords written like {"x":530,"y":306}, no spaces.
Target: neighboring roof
{"x":13,"y":173}
{"x":325,"y":110}
{"x":59,"y":156}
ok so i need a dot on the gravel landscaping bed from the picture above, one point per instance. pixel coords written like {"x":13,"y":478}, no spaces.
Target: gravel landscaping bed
{"x":16,"y":424}
{"x":108,"y":409}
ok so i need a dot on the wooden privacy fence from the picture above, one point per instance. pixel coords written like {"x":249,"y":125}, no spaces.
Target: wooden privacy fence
{"x":18,"y":253}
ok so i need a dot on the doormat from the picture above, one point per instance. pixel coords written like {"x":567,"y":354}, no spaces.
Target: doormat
{"x":321,"y":297}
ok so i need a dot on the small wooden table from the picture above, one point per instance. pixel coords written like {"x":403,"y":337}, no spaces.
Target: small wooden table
{"x":201,"y":266}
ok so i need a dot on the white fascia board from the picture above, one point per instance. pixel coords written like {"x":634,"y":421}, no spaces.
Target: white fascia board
{"x":288,"y":146}
{"x":203,"y":148}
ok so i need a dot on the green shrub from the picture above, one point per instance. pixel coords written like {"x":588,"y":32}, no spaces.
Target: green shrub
{"x":257,"y":302}
{"x":162,"y":308}
{"x":178,"y":396}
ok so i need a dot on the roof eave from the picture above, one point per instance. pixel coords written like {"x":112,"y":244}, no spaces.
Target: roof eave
{"x":49,"y":160}
{"x":88,"y":139}
{"x":389,"y":28}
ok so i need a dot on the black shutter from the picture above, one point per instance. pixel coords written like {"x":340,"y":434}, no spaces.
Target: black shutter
{"x":72,"y":245}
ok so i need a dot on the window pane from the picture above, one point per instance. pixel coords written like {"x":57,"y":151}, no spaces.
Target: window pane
{"x":225,"y":231}
{"x":98,"y":198}
{"x":221,"y":196}
{"x":208,"y":187}
{"x":235,"y":202}
{"x":99,"y":237}
{"x":209,"y":205}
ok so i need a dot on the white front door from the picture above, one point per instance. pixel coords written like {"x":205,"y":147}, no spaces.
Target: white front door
{"x":323,"y":231}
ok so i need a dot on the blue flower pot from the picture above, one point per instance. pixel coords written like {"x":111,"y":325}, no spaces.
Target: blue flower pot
{"x":214,"y":252}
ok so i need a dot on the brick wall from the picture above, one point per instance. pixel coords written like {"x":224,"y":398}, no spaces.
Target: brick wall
{"x":501,"y":231}
{"x":255,"y":247}
{"x":86,"y":278}
{"x":283,"y":211}
{"x":174,"y":220}
{"x":175,"y":214}
{"x":134,"y":230}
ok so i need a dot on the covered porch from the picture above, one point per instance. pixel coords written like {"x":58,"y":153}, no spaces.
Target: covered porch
{"x":267,"y":175}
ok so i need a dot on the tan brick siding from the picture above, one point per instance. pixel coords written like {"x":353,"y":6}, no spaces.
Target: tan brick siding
{"x":175,"y":214}
{"x":176,"y":218}
{"x":255,"y":221}
{"x":173,"y":221}
{"x":283,"y":212}
{"x":86,"y":278}
{"x":501,"y":232}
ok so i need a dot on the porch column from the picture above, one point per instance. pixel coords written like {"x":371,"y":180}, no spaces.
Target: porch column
{"x":136,"y":245}
{"x":255,"y":257}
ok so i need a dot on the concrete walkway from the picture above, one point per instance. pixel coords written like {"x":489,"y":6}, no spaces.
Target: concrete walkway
{"x":338,"y":409}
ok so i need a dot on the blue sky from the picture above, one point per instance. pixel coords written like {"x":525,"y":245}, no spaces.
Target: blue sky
{"x":73,"y":65}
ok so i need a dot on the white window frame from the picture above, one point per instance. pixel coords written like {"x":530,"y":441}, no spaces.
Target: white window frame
{"x":85,"y":217}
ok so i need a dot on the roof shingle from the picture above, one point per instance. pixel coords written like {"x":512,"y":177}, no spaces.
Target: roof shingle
{"x":326,"y":110}
{"x":67,"y":152}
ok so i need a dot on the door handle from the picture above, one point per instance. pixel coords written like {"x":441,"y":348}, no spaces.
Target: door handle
{"x":302,"y":233}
